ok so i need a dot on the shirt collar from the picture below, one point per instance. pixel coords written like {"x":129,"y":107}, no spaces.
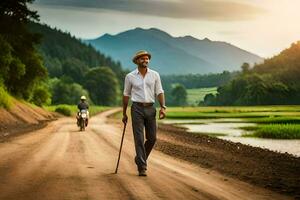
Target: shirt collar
{"x":136,"y":71}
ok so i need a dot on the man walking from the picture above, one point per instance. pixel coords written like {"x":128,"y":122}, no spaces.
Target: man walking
{"x":143,"y":85}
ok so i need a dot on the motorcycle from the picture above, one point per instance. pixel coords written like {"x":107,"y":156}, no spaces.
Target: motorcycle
{"x":82,"y":119}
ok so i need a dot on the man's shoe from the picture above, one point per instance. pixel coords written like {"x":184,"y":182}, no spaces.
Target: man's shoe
{"x":142,"y":173}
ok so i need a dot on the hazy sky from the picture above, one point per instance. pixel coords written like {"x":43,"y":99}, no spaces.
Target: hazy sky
{"x":264,"y":27}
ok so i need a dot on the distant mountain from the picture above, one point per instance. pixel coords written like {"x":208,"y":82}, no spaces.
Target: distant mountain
{"x":174,"y":55}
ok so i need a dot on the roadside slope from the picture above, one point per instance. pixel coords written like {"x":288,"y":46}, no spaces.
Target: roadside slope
{"x":22,"y":117}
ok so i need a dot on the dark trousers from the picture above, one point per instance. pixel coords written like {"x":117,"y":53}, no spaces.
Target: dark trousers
{"x":143,"y":118}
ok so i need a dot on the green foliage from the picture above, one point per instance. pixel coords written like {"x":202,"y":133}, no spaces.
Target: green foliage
{"x":190,"y":81}
{"x":5,"y":99}
{"x":41,"y":96}
{"x":245,"y":68}
{"x":277,"y":131}
{"x":93,"y":110}
{"x":17,"y":11}
{"x":178,"y":95}
{"x":65,"y":110}
{"x":276,"y":81}
{"x":5,"y":57}
{"x":64,"y":91}
{"x":103,"y":86}
{"x":75,"y":69}
{"x":209,"y":99}
{"x":194,"y":82}
{"x":21,"y":66}
{"x":23,"y":85}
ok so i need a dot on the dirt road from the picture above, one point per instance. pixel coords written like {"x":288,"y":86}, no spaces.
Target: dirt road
{"x":58,"y":162}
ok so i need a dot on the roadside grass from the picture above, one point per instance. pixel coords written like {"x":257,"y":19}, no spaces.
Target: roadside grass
{"x":6,"y":101}
{"x":117,"y":115}
{"x":275,"y":131}
{"x":71,"y":110}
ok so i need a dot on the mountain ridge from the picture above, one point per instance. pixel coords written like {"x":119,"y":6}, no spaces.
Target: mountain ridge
{"x":185,"y":54}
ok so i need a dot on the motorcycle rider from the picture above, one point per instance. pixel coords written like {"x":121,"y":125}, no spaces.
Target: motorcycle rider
{"x":83,"y":105}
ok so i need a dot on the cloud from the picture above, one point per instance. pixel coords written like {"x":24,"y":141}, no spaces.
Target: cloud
{"x":216,"y":10}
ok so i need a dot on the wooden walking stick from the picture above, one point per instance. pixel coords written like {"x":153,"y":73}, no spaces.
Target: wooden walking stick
{"x":120,"y":148}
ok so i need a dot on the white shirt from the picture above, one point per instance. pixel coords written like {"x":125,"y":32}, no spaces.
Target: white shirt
{"x":142,"y":89}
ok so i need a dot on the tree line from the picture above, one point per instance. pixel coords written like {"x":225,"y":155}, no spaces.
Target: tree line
{"x":191,"y":81}
{"x":273,"y":82}
{"x":176,"y":86}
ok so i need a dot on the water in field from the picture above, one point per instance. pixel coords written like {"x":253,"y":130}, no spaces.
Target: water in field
{"x":279,"y":145}
{"x":230,"y":129}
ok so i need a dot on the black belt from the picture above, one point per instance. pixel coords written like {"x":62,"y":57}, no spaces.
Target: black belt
{"x":143,"y":104}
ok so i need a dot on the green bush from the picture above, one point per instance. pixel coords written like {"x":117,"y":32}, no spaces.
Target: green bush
{"x":5,"y":99}
{"x":65,"y":92}
{"x":64,"y":110}
{"x":41,"y":96}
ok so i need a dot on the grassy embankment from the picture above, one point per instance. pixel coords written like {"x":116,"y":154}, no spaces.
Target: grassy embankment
{"x":279,"y":122}
{"x":5,"y":99}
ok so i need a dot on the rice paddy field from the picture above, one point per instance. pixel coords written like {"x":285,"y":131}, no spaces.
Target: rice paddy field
{"x":278,"y":122}
{"x":276,"y":131}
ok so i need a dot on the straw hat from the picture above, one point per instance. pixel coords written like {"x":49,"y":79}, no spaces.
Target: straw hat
{"x":139,"y":54}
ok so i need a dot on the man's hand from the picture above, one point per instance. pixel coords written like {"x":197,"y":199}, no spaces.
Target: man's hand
{"x":162,"y":113}
{"x":125,"y":119}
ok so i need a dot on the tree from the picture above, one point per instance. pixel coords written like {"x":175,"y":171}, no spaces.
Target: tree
{"x":75,"y":69}
{"x":65,"y":92}
{"x":179,"y":95}
{"x":5,"y":58}
{"x":41,"y":96}
{"x":17,"y":10}
{"x":245,"y":68}
{"x":209,"y":100}
{"x":103,"y":86}
{"x":25,"y":68}
{"x":256,"y":91}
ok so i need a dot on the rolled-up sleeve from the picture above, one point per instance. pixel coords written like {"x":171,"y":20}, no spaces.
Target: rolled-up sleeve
{"x":158,"y":86}
{"x":127,"y":86}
